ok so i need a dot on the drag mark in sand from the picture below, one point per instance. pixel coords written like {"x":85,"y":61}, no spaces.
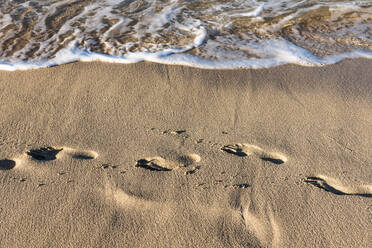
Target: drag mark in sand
{"x":243,"y":150}
{"x":336,"y":187}
{"x":257,"y":220}
{"x":129,"y":201}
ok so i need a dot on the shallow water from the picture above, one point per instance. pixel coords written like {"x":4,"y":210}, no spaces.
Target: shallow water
{"x":203,"y":33}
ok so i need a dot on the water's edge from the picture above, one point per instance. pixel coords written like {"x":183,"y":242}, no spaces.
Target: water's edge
{"x":298,"y":57}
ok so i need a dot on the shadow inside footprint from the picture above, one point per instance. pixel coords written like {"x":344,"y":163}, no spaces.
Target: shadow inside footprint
{"x":234,"y":149}
{"x":83,"y":156}
{"x":6,"y":164}
{"x":273,"y":157}
{"x":44,"y":153}
{"x":273,"y":160}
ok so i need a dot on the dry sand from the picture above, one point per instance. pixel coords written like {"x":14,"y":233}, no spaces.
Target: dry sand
{"x":150,"y":155}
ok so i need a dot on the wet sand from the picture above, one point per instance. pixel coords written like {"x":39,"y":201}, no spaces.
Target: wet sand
{"x":151,"y":155}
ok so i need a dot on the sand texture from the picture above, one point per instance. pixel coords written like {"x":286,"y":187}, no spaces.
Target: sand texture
{"x":151,"y":155}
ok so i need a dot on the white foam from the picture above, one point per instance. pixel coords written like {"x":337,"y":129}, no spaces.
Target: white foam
{"x":166,"y":32}
{"x":201,"y":36}
{"x":275,"y":52}
{"x":254,"y":13}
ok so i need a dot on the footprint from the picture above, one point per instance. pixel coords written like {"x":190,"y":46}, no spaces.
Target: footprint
{"x":50,"y":153}
{"x":44,"y":153}
{"x":336,"y":187}
{"x":156,"y":164}
{"x":174,"y":132}
{"x":241,"y":150}
{"x":161,"y":164}
{"x":6,"y":164}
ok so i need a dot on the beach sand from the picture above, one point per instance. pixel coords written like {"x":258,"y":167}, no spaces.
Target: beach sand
{"x":152,"y":155}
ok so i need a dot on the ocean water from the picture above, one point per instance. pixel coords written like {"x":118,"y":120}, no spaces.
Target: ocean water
{"x":201,"y":33}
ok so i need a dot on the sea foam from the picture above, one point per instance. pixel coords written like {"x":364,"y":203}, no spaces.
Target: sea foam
{"x":200,"y":33}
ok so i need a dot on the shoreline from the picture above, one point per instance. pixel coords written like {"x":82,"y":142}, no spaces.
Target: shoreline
{"x":175,"y":58}
{"x":272,"y":157}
